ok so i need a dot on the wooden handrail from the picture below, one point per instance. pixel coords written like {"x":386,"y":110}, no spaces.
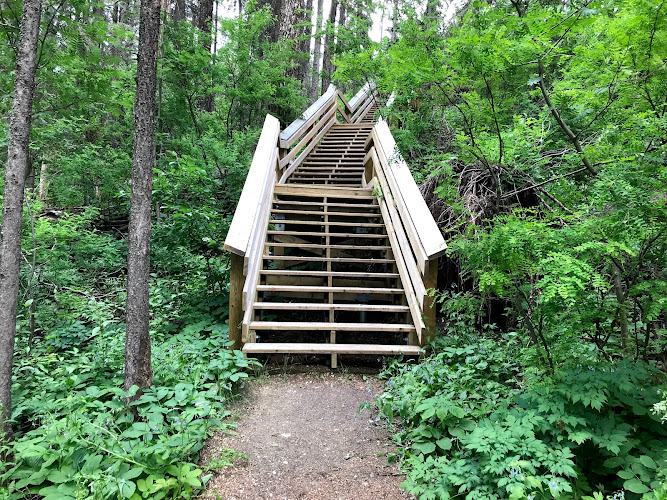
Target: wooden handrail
{"x":303,"y":134}
{"x":258,"y":182}
{"x":426,"y":241}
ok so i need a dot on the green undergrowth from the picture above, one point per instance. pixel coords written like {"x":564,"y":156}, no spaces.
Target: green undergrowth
{"x":78,"y":439}
{"x":474,"y":425}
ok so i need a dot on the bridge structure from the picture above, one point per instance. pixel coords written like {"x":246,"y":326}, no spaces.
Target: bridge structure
{"x":333,"y":249}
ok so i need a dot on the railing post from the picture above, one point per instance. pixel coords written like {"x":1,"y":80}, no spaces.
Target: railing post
{"x":236,"y":283}
{"x":430,"y":282}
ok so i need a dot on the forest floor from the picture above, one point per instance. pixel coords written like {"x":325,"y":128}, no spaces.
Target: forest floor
{"x":302,"y":436}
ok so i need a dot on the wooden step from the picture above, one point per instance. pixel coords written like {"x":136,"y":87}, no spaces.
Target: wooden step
{"x":343,"y":260}
{"x":304,"y":348}
{"x":310,"y":204}
{"x":320,"y":223}
{"x":324,"y":191}
{"x":324,"y":246}
{"x":311,"y":212}
{"x":302,"y":306}
{"x":332,"y":235}
{"x":335,"y":274}
{"x":329,"y":289}
{"x":326,"y":326}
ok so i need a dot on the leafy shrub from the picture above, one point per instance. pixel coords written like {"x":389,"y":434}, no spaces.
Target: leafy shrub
{"x":78,"y":438}
{"x":473,"y":425}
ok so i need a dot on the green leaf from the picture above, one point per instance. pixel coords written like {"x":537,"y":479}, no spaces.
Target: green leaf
{"x":636,"y":486}
{"x":648,"y":462}
{"x":424,"y":448}
{"x":444,"y":443}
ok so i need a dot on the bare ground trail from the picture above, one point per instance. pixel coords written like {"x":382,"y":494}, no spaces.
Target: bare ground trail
{"x":304,"y":438}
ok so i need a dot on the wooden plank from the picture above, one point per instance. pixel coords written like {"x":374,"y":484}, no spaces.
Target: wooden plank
{"x":427,"y":230}
{"x":335,"y":247}
{"x":345,"y":260}
{"x":291,"y":306}
{"x":321,"y":191}
{"x":310,"y":204}
{"x":312,"y":212}
{"x":404,"y":246}
{"x":360,"y":96}
{"x":327,"y":289}
{"x":353,"y":327}
{"x":308,"y":137}
{"x":238,"y":236}
{"x":291,"y":134}
{"x":253,"y":259}
{"x":320,"y":223}
{"x":399,"y":203}
{"x":363,"y":110}
{"x":341,"y":274}
{"x":430,"y":282}
{"x":310,"y":348}
{"x":306,"y":151}
{"x":333,"y":235}
{"x":236,"y":282}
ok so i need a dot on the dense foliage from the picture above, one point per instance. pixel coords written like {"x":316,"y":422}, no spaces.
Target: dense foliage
{"x":474,"y":423}
{"x":538,"y":131}
{"x":76,"y":437}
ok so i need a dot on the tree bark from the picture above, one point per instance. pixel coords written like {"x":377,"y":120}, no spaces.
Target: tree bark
{"x":138,"y":370}
{"x":394,"y":21}
{"x":178,"y":14}
{"x":575,"y":141}
{"x":327,"y":66}
{"x":12,"y":206}
{"x":205,"y":25}
{"x":317,"y":52}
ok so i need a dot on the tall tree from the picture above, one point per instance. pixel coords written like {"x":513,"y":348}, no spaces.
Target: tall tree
{"x":317,"y":52}
{"x":178,"y":13}
{"x":138,"y":369}
{"x":12,"y":205}
{"x":327,"y":66}
{"x":205,"y":26}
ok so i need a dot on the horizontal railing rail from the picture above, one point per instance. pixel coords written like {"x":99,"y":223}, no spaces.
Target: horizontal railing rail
{"x":302,"y":135}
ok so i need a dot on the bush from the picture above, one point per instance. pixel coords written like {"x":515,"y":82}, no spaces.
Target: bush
{"x":78,"y":438}
{"x":473,"y":425}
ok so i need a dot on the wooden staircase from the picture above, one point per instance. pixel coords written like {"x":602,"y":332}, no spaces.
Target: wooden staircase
{"x":328,"y":265}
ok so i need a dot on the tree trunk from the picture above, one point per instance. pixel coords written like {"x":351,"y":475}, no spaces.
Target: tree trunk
{"x":317,"y":52}
{"x":12,"y":206}
{"x":138,"y":370}
{"x":394,"y":21}
{"x":43,"y":183}
{"x":327,"y":66}
{"x":205,"y":25}
{"x":178,"y":14}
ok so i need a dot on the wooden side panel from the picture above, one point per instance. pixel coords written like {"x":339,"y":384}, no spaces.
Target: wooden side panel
{"x":240,"y":231}
{"x":236,"y":283}
{"x":427,"y":230}
{"x":295,"y":129}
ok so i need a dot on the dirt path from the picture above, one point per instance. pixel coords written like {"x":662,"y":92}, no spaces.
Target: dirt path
{"x":304,"y":439}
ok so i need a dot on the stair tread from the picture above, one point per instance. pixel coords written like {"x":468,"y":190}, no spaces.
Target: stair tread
{"x":320,"y":223}
{"x":325,"y":289}
{"x":332,"y":235}
{"x":311,"y":348}
{"x":343,"y":260}
{"x":313,"y":212}
{"x":330,"y":307}
{"x":323,"y":246}
{"x":340,"y":274}
{"x":328,"y":326}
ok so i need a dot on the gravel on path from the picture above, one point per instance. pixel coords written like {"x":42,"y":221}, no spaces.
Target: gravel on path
{"x":305,"y":438}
